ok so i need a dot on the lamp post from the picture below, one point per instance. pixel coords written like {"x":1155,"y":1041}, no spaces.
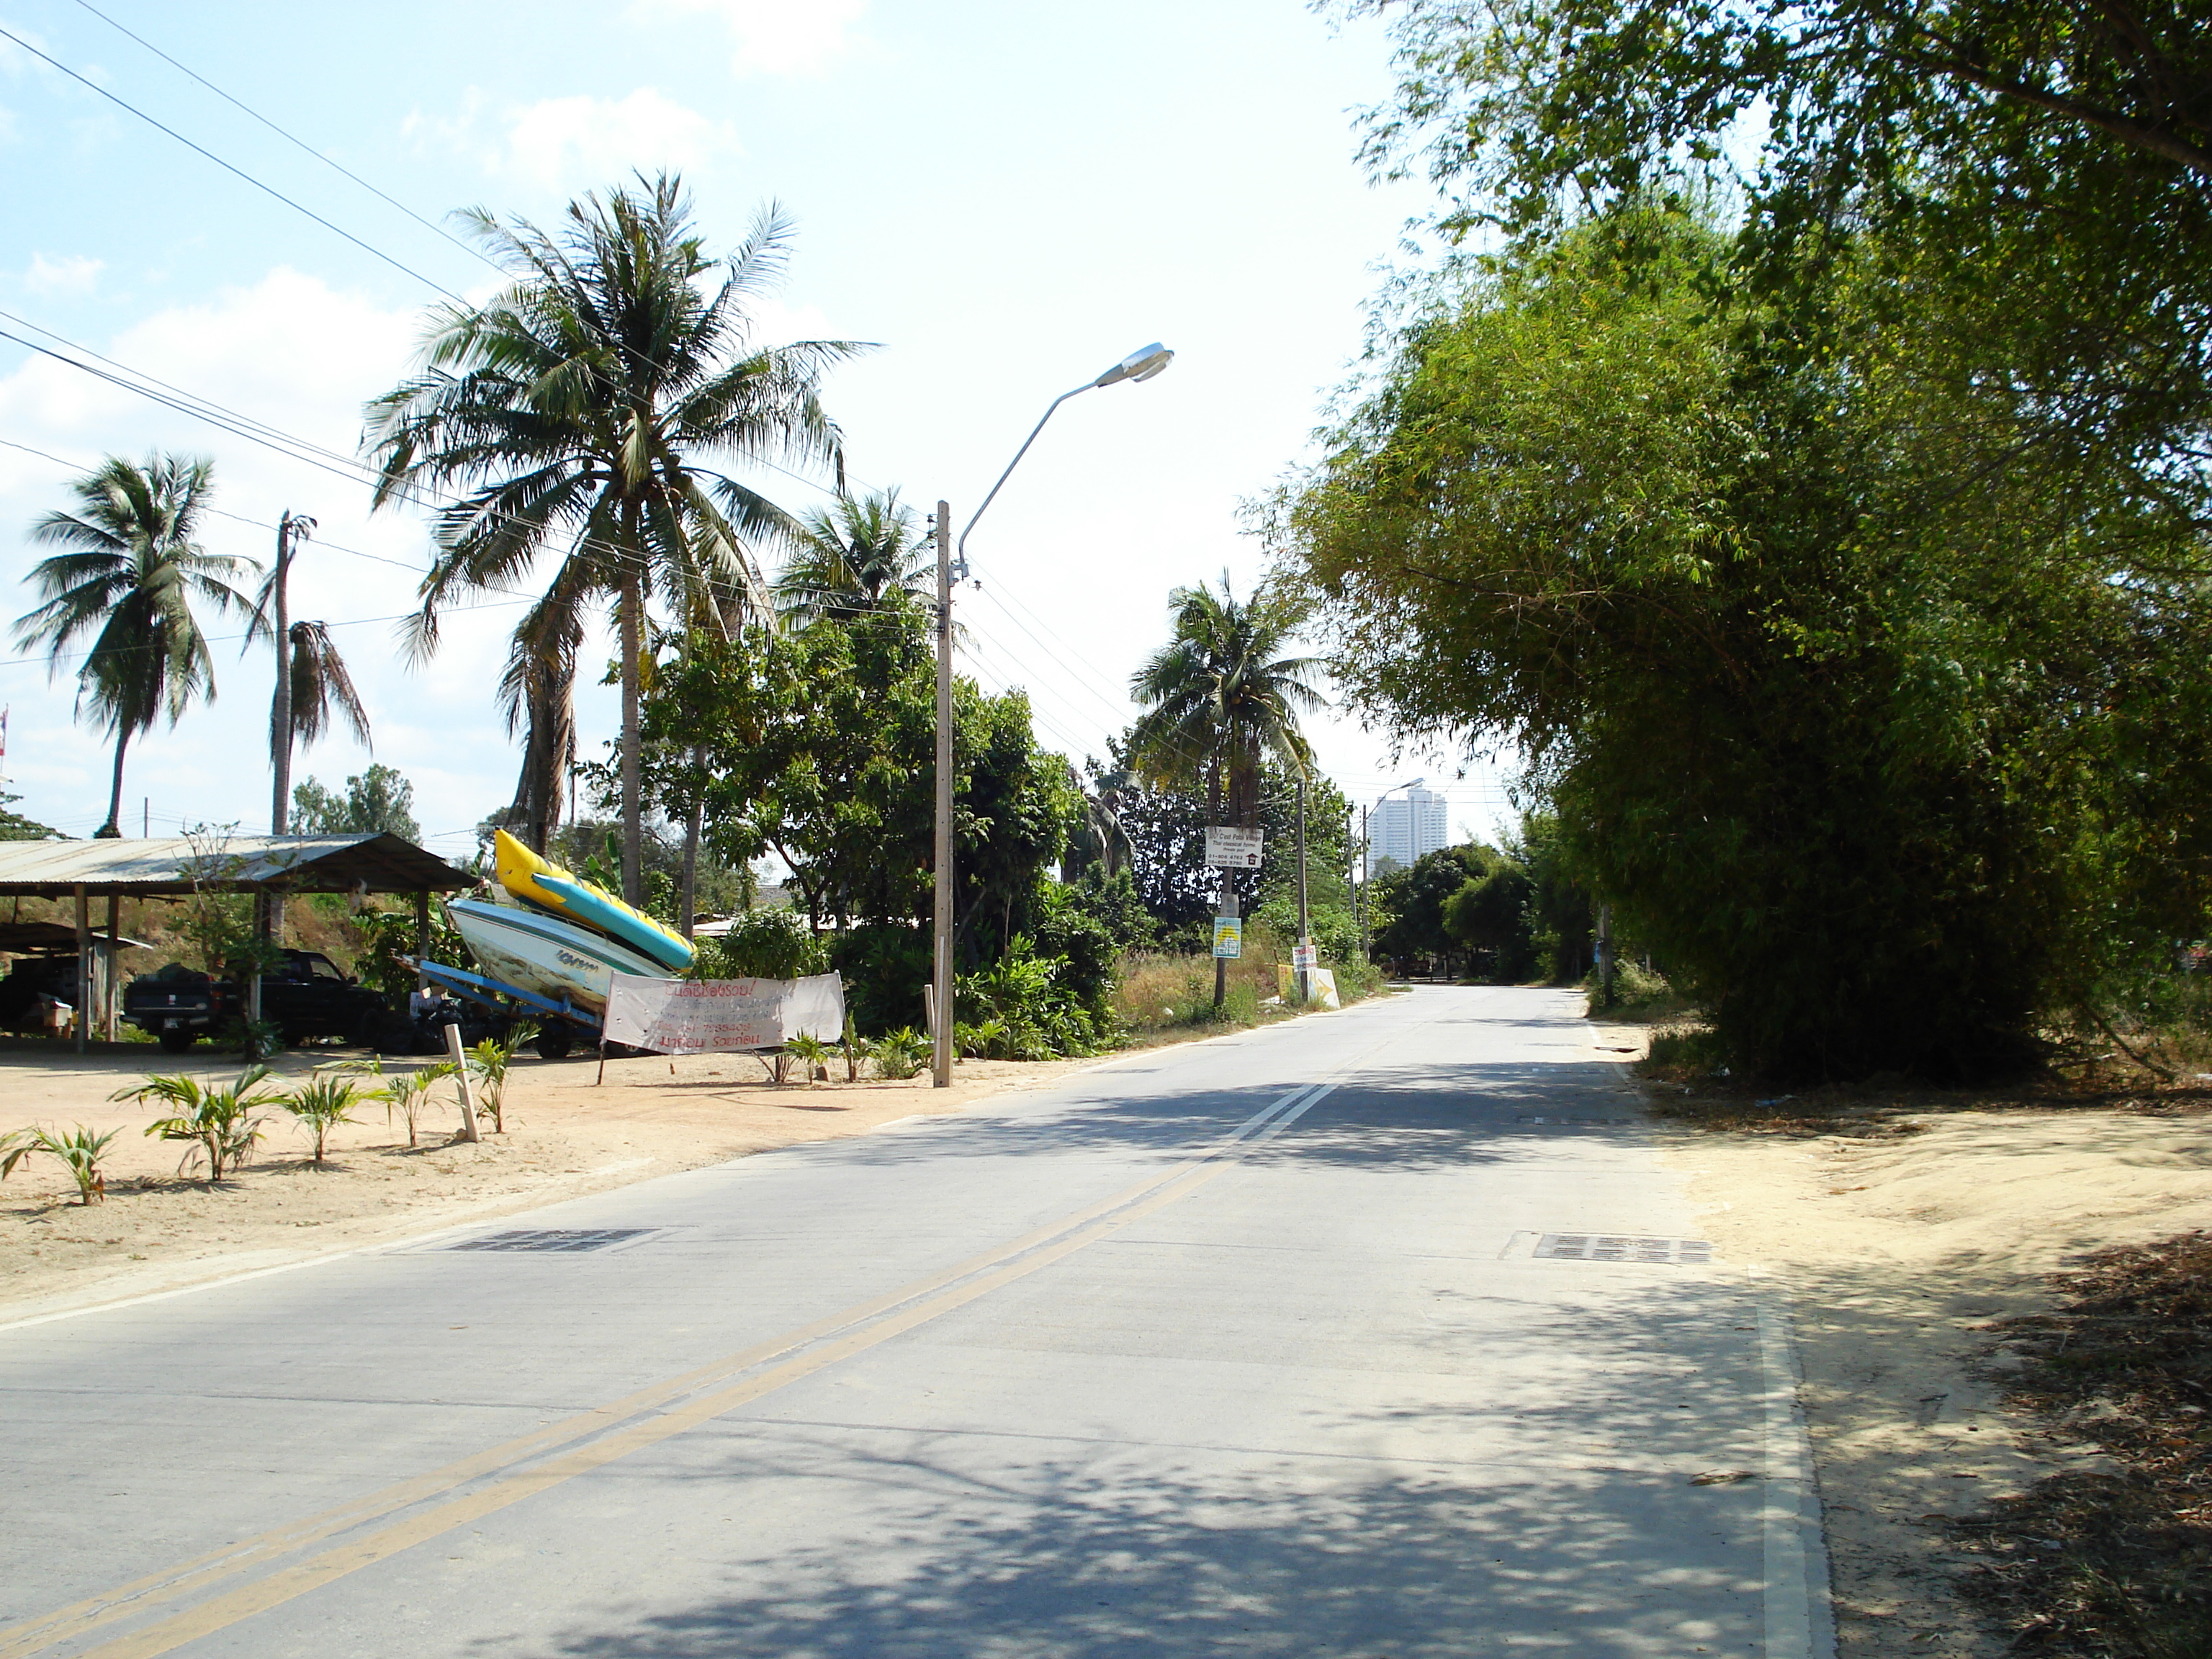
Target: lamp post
{"x":1138,"y":366}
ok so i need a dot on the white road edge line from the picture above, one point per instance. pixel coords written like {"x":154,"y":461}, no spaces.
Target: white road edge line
{"x":1800,"y":1620}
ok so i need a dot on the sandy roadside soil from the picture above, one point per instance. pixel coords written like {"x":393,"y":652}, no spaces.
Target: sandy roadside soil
{"x":1897,"y":1247}
{"x":565,"y":1136}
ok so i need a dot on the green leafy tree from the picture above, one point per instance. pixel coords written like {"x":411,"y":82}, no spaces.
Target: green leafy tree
{"x":1885,"y":758}
{"x":125,"y":582}
{"x":584,"y":411}
{"x":14,"y":826}
{"x":379,"y":801}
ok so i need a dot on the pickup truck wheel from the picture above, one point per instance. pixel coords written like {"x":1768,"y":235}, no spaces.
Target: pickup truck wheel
{"x":553,"y":1043}
{"x":177,"y":1043}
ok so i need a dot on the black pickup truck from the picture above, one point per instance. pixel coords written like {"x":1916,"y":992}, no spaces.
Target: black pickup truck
{"x":307,"y":996}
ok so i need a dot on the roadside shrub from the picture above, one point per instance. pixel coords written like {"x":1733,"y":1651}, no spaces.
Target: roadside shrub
{"x":885,"y":965}
{"x":900,"y":1055}
{"x":78,"y":1151}
{"x":761,"y":944}
{"x":1022,"y":1008}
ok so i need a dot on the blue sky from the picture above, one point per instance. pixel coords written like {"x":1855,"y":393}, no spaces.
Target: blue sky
{"x":1006,"y":198}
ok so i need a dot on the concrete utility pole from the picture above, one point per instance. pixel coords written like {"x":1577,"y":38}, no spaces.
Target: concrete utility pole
{"x":1304,"y":953}
{"x":941,"y":944}
{"x":1363,"y":885}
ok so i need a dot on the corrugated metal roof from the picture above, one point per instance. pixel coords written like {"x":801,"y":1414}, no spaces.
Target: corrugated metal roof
{"x":177,"y":864}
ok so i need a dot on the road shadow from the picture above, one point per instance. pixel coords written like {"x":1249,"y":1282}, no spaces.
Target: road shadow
{"x":927,"y":1554}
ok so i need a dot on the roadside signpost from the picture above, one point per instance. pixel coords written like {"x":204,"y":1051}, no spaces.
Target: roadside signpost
{"x":1231,"y":848}
{"x":1228,"y":938}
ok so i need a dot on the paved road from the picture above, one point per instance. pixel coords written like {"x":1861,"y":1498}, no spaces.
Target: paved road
{"x":1248,"y":1348}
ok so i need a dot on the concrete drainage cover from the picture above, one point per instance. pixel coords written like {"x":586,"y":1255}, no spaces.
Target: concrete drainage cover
{"x":566,"y":1240}
{"x":1622,"y":1247}
{"x":1556,"y":1120}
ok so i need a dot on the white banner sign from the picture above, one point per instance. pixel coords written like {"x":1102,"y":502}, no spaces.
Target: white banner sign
{"x":1232,"y":849}
{"x":722,"y":1016}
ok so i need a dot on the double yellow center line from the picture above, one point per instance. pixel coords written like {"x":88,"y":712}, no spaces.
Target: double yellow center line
{"x":515,"y":1469}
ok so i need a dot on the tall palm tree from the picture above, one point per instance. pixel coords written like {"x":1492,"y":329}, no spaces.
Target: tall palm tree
{"x":579,"y":410}
{"x":127,"y":578}
{"x":1220,"y":697}
{"x":855,"y":556}
{"x":314,"y":690}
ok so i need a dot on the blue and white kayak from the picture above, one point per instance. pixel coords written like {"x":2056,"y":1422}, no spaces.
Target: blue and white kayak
{"x":554,"y":958}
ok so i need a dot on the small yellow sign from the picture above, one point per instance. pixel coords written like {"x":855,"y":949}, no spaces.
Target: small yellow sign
{"x":1228,"y":937}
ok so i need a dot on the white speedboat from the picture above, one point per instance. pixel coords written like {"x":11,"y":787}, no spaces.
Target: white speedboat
{"x":545,"y":954}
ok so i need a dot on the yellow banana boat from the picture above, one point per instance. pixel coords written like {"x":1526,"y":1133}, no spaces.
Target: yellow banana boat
{"x":530,"y":877}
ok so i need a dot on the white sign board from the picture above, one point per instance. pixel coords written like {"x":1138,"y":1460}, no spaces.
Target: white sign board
{"x":1232,"y":849}
{"x":1228,"y":938}
{"x":722,"y":1016}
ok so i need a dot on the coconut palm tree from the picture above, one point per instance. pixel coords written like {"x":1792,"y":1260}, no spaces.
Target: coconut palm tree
{"x":855,"y":556}
{"x":583,"y":411}
{"x":322,"y":693}
{"x":314,"y":690}
{"x":1221,"y":696}
{"x":127,"y":580}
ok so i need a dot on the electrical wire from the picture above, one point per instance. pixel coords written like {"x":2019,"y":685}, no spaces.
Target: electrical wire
{"x":271,"y":190}
{"x":435,"y":228}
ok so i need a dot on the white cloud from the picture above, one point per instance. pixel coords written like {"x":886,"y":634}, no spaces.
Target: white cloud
{"x":563,"y":142}
{"x":291,"y":351}
{"x":73,"y":274}
{"x":772,"y":36}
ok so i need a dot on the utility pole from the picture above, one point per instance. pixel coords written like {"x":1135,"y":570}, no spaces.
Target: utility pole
{"x":1303,"y":954}
{"x":1363,"y":884}
{"x":941,"y":945}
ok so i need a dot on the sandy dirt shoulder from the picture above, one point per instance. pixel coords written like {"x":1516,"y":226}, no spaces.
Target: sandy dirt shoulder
{"x":565,"y":1136}
{"x":1897,"y":1242}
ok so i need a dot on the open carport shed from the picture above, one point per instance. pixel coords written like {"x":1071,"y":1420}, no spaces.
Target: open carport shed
{"x":177,"y":866}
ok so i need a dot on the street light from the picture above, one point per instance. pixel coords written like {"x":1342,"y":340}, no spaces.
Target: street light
{"x":1139,"y":366}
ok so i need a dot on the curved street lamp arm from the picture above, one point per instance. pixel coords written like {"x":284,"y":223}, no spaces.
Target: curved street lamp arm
{"x":960,"y":553}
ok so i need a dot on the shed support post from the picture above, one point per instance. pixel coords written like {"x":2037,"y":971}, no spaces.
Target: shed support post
{"x":422,"y":939}
{"x":107,"y":991}
{"x":83,"y":969}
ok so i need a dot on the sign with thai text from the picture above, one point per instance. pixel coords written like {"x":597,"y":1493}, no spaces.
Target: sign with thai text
{"x":722,"y":1016}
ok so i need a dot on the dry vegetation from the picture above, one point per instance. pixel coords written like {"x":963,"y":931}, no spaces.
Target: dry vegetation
{"x":2113,"y":1564}
{"x":2099,"y":1374}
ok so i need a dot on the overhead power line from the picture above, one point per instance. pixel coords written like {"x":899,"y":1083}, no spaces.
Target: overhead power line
{"x":373,"y":250}
{"x":435,"y":228}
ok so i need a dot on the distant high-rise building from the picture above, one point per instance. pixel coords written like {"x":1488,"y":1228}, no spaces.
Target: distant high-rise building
{"x":1401,"y":828}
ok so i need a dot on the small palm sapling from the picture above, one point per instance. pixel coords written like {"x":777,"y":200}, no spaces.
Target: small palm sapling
{"x":321,"y":1104}
{"x":78,"y":1151}
{"x":219,"y":1121}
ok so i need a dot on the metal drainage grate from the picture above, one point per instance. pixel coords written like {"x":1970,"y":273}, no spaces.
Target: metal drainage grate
{"x":1622,"y":1247}
{"x":1557,"y":1120}
{"x":567,"y":1239}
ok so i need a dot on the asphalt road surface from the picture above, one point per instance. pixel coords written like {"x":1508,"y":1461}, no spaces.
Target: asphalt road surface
{"x":1289,"y":1343}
